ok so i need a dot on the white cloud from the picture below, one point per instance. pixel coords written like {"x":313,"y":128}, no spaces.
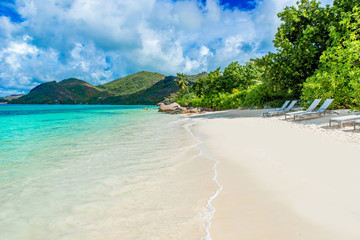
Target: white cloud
{"x":99,"y":41}
{"x":10,"y":92}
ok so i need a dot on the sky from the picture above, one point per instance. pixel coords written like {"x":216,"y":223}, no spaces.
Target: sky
{"x":99,"y":41}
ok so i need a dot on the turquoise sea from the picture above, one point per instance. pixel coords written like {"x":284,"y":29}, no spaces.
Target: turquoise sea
{"x":98,"y":172}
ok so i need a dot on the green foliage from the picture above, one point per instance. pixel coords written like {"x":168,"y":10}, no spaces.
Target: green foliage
{"x":222,"y":90}
{"x":182,"y":82}
{"x":205,"y":85}
{"x":234,"y":78}
{"x":318,"y":56}
{"x":338,"y":75}
{"x":256,"y":96}
{"x":219,"y":101}
{"x":300,"y":41}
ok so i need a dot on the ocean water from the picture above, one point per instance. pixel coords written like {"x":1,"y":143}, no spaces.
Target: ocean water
{"x":100,"y":172}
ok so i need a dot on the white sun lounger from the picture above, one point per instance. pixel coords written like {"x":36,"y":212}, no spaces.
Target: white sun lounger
{"x":281,"y":109}
{"x":343,"y":119}
{"x":321,"y":110}
{"x":310,"y":109}
{"x":356,"y":123}
{"x":278,"y":112}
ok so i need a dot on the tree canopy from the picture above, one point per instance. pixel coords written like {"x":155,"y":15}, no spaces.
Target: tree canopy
{"x":317,"y":56}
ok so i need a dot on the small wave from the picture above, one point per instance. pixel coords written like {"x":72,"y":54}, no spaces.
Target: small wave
{"x":211,"y":208}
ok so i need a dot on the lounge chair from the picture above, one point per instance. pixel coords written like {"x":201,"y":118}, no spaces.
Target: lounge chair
{"x":321,"y":110}
{"x":310,"y":109}
{"x":279,"y":112}
{"x":281,"y":109}
{"x":356,"y":123}
{"x":342,"y":119}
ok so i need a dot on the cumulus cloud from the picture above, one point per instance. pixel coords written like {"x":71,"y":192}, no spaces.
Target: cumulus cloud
{"x":99,"y":41}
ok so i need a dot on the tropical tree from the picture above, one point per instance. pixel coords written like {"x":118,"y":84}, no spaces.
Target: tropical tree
{"x":301,"y":39}
{"x":338,"y":75}
{"x":182,"y":82}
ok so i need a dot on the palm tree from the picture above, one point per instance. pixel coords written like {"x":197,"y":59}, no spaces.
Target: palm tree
{"x":182,"y":82}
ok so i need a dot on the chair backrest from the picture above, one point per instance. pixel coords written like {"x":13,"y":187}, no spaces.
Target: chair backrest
{"x":325,"y":105}
{"x":313,"y":105}
{"x":284,"y":105}
{"x":291,"y":105}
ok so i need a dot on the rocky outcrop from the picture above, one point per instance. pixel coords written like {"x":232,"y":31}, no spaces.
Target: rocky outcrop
{"x":175,"y":108}
{"x":171,"y":108}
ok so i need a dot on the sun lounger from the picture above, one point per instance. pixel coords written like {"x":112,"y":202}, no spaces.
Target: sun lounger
{"x":281,"y":109}
{"x":278,"y":112}
{"x":356,"y":123}
{"x":321,"y":110}
{"x":343,"y":119}
{"x":310,"y":109}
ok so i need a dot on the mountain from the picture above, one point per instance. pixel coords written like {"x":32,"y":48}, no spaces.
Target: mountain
{"x":132,"y":83}
{"x":194,"y":78}
{"x":140,"y":88}
{"x":149,"y":96}
{"x":49,"y":92}
{"x":68,"y":91}
{"x":79,"y":88}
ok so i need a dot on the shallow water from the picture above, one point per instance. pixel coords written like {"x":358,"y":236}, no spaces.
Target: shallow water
{"x":100,"y":172}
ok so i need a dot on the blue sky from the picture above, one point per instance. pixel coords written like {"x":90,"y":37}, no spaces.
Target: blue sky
{"x":99,"y":41}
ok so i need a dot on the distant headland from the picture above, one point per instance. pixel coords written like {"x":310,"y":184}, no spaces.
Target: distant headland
{"x":142,"y":88}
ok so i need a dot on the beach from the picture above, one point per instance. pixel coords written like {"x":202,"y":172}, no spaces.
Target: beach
{"x":281,"y":179}
{"x":110,"y":172}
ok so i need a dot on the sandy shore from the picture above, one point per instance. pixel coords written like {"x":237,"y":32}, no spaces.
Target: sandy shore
{"x":282,"y":180}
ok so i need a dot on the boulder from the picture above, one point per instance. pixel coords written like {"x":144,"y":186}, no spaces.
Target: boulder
{"x":194,"y":110}
{"x":169,"y":108}
{"x":175,"y":108}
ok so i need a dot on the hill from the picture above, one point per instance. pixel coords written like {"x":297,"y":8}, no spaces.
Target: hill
{"x":149,"y":96}
{"x":195,"y":77}
{"x":80,"y":88}
{"x":68,"y":91}
{"x":50,"y":92}
{"x":132,"y":83}
{"x":135,"y":89}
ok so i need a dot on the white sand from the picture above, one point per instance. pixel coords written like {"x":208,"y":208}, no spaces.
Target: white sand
{"x":282,"y":180}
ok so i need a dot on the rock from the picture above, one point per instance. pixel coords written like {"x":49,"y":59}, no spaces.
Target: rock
{"x":175,"y":108}
{"x":169,"y":108}
{"x":146,"y":108}
{"x":194,"y":110}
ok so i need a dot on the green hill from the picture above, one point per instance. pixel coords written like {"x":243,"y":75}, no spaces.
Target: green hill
{"x":80,"y":88}
{"x":139,"y":88}
{"x":149,"y":96}
{"x":68,"y":91}
{"x":132,"y":83}
{"x":195,"y":77}
{"x":50,"y":92}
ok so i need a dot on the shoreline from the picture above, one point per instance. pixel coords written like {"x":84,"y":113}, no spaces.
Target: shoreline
{"x":209,"y":205}
{"x":311,"y":194}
